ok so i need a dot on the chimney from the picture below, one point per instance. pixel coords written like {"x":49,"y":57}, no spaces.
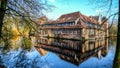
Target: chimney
{"x":100,"y":18}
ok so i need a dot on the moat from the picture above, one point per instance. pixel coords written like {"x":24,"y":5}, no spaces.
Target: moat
{"x":54,"y":53}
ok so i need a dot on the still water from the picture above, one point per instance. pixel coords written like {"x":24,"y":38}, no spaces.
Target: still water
{"x":35,"y":52}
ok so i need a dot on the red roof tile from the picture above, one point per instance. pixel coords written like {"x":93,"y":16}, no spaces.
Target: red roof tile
{"x":72,"y":17}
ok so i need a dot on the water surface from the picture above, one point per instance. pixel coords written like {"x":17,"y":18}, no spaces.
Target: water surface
{"x":53,"y":53}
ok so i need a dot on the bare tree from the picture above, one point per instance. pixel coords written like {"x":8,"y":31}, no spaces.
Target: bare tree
{"x":116,"y":63}
{"x":26,"y":11}
{"x":21,"y":59}
{"x":3,"y":4}
{"x":109,"y":7}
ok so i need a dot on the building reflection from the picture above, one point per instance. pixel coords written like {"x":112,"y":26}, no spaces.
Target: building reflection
{"x":41,"y":51}
{"x":74,"y":51}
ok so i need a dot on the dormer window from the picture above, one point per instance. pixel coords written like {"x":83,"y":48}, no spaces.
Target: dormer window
{"x":68,"y":18}
{"x":76,"y":21}
{"x":63,"y":19}
{"x":73,"y":23}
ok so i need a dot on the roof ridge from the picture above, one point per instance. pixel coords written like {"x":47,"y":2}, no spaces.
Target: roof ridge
{"x":92,"y":20}
{"x":71,"y":13}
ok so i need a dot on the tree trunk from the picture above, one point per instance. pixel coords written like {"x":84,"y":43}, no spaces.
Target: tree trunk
{"x":116,"y":63}
{"x":2,"y":13}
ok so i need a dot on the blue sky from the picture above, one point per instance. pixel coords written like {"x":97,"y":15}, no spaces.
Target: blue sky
{"x":68,"y":6}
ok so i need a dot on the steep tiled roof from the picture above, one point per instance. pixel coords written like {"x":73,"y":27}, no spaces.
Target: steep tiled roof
{"x":87,"y":19}
{"x":65,"y":18}
{"x":94,"y":17}
{"x":41,"y":20}
{"x":73,"y":17}
{"x":70,"y":16}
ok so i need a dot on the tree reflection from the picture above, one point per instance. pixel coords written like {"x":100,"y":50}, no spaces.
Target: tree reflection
{"x":112,"y":40}
{"x":26,"y":43}
{"x":14,"y":43}
{"x":21,"y":59}
{"x":16,"y":53}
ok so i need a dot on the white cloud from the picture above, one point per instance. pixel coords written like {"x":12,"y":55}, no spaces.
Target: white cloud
{"x":105,"y":10}
{"x":100,"y":11}
{"x":52,"y":0}
{"x":114,"y":9}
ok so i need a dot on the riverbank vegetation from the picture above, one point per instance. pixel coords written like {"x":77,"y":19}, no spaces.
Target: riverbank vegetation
{"x":113,"y":30}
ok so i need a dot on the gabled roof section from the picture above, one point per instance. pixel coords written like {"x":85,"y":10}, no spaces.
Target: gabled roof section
{"x":73,"y":17}
{"x":69,"y":16}
{"x":94,"y":17}
{"x":87,"y":19}
{"x":42,"y":19}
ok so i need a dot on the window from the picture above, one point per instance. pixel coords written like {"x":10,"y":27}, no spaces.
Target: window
{"x":73,"y":23}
